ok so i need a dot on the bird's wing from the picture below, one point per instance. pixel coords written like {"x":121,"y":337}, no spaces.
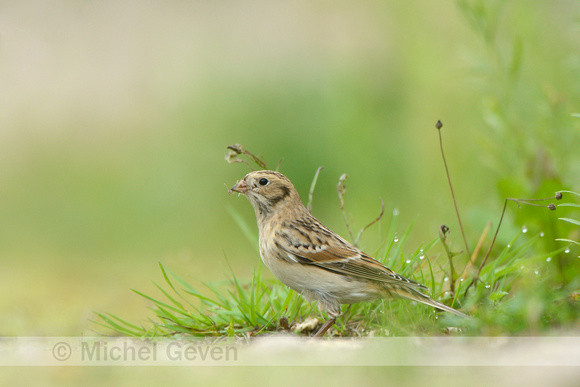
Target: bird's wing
{"x":316,"y":245}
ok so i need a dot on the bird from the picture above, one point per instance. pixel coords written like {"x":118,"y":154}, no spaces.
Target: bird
{"x":314,"y":261}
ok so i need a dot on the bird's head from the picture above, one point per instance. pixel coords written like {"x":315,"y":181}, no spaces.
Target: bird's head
{"x":268,"y":191}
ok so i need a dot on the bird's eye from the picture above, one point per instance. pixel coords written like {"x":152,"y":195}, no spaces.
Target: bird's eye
{"x":263,"y":181}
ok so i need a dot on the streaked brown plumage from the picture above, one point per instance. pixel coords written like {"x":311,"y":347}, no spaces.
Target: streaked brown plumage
{"x":313,"y":260}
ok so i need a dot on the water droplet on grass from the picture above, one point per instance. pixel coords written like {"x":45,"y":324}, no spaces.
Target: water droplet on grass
{"x":524,"y":229}
{"x":396,"y":238}
{"x":395,"y":211}
{"x":567,"y":250}
{"x":548,"y":259}
{"x":487,"y":286}
{"x":408,"y":261}
{"x":542,"y":234}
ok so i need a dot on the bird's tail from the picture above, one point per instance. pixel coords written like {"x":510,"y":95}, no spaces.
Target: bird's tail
{"x":411,"y":293}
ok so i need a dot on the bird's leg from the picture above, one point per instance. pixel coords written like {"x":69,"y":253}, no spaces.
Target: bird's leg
{"x":334,"y":311}
{"x":325,"y":327}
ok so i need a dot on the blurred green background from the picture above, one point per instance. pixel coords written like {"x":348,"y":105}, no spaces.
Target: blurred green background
{"x":116,"y":117}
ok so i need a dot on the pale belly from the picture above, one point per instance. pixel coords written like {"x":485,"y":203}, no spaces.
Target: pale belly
{"x":319,"y":284}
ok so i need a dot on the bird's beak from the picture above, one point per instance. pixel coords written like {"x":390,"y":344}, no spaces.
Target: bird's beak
{"x":239,"y":187}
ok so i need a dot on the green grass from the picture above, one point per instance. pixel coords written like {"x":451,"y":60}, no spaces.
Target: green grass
{"x":518,"y":292}
{"x":243,"y":307}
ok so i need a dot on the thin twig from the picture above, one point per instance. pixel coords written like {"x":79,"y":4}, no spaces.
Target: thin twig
{"x":550,"y":206}
{"x":311,"y":191}
{"x":378,"y":218}
{"x":236,"y":149}
{"x":278,"y":165}
{"x":443,"y":230}
{"x":341,"y":188}
{"x":476,"y":276}
{"x":471,"y":264}
{"x":439,"y":125}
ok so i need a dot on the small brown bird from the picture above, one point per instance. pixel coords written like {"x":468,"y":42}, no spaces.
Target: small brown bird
{"x":314,"y":261}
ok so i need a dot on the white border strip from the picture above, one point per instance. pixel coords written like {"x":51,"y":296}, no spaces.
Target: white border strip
{"x":291,"y":351}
